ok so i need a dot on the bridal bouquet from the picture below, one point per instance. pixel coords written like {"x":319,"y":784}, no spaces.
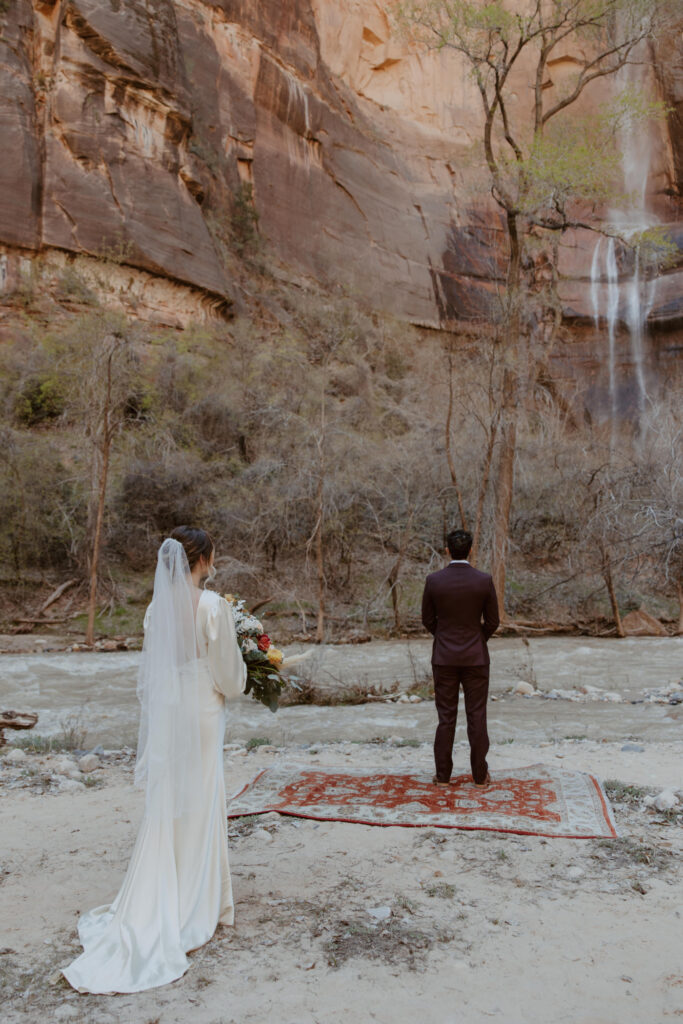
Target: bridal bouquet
{"x":265,"y":679}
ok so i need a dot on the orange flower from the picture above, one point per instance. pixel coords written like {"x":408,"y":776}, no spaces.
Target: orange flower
{"x":275,"y":657}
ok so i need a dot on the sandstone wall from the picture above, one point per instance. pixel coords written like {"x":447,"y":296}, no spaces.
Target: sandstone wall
{"x":127,"y":125}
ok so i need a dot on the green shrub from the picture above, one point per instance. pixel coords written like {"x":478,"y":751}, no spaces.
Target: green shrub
{"x":40,"y":399}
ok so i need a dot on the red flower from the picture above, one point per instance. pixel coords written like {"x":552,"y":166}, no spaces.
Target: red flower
{"x":263,"y":642}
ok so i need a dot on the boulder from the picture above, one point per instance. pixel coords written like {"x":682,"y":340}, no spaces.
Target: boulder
{"x":641,"y":623}
{"x":15,"y":756}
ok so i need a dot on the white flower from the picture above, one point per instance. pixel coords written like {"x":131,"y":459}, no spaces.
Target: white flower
{"x":249,"y":645}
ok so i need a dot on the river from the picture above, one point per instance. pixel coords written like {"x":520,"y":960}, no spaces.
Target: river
{"x":99,"y":690}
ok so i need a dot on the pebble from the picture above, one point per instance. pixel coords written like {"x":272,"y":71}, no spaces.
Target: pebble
{"x":15,"y":756}
{"x":89,"y":762}
{"x":415,"y":698}
{"x":262,"y":835}
{"x":403,"y":699}
{"x":98,"y":750}
{"x":575,"y":872}
{"x":70,"y":786}
{"x":65,"y":1012}
{"x":666,"y":800}
{"x":379,"y":913}
{"x":524,"y":689}
{"x":636,"y":747}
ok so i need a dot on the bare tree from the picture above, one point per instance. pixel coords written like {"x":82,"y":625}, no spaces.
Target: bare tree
{"x":100,"y":365}
{"x":539,"y":162}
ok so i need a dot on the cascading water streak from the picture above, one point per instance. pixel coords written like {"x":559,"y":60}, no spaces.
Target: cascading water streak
{"x":612,"y":311}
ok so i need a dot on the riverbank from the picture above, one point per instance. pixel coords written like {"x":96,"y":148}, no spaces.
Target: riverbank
{"x":473,"y":926}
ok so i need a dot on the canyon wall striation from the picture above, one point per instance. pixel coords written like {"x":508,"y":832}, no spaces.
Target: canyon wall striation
{"x":128,"y":127}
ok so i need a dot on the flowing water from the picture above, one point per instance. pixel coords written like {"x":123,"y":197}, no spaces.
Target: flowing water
{"x":626,"y":297}
{"x":99,"y":691}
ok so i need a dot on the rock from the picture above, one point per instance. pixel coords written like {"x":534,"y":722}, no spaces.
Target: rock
{"x":613,"y":697}
{"x":267,"y":748}
{"x":65,"y":766}
{"x":379,"y":913}
{"x":666,"y":800}
{"x":70,"y":786}
{"x":575,"y":872}
{"x":271,"y":818}
{"x":88,"y":763}
{"x":262,"y":835}
{"x":98,"y":751}
{"x":65,"y":1012}
{"x":635,"y":747}
{"x":524,"y":689}
{"x":641,"y":623}
{"x":404,"y":699}
{"x":415,"y":698}
{"x":15,"y":756}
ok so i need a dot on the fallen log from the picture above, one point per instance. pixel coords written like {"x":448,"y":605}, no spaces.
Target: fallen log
{"x":56,"y":594}
{"x":16,"y":720}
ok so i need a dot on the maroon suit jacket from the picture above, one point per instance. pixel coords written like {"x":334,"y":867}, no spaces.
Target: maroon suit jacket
{"x":460,"y":610}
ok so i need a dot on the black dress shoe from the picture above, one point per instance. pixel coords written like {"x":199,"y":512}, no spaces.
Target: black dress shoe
{"x":485,"y":784}
{"x":438,"y":782}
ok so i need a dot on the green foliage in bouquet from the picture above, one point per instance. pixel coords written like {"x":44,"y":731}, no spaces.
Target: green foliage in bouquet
{"x":265,"y":681}
{"x":265,"y":684}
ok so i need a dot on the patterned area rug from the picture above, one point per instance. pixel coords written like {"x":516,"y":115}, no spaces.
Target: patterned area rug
{"x":539,"y":800}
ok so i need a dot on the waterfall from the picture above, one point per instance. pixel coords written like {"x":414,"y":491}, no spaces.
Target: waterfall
{"x":595,"y":283}
{"x":629,"y":300}
{"x":612,"y":311}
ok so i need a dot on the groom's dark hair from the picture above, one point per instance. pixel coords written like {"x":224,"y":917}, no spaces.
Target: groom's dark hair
{"x":459,"y":543}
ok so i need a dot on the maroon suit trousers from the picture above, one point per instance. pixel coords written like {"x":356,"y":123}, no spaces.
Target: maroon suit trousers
{"x":474,"y":680}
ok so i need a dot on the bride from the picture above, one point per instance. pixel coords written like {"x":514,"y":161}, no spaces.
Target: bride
{"x":177,"y":888}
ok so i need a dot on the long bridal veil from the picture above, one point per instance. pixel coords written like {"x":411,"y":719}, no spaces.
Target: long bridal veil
{"x":169,"y":764}
{"x":140,"y":940}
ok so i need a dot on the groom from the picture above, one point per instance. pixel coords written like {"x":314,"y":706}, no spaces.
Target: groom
{"x":460,"y":610}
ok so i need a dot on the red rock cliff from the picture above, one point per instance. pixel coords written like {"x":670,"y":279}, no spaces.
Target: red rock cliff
{"x":124,"y":121}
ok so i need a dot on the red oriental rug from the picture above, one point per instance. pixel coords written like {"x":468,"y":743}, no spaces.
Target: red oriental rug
{"x":539,"y":801}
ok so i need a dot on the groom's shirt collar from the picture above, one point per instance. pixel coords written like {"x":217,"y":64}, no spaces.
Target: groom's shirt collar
{"x":458,"y":561}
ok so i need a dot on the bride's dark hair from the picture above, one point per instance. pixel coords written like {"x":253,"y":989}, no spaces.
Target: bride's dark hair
{"x":197,"y":543}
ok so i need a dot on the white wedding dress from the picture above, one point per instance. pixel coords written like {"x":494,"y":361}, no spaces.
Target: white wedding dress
{"x":177,"y":887}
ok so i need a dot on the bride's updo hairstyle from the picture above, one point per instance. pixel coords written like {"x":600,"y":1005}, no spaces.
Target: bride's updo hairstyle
{"x":197,"y":543}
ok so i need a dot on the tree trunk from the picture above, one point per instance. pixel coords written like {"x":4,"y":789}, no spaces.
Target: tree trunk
{"x":483,"y":486}
{"x":449,"y":453}
{"x":99,"y":519}
{"x":393,"y":590}
{"x":92,"y":599}
{"x":501,"y":530}
{"x":504,"y":488}
{"x":609,"y":583}
{"x":679,"y":591}
{"x":320,"y":566}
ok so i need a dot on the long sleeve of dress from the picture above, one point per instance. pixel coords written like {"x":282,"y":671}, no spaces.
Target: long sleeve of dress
{"x":228,"y":669}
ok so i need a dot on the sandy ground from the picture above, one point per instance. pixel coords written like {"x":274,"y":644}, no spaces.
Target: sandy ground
{"x":483,"y":926}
